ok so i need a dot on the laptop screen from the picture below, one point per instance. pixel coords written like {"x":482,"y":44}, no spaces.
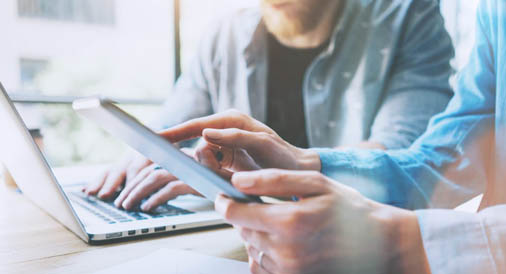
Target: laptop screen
{"x":67,"y":140}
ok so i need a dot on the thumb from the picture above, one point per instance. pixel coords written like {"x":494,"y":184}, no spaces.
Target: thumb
{"x":282,"y":183}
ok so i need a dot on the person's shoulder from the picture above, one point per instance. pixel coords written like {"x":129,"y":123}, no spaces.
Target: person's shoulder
{"x":385,"y":4}
{"x":229,"y":31}
{"x":239,"y":23}
{"x":234,"y":27}
{"x":244,"y":15}
{"x":395,"y":8}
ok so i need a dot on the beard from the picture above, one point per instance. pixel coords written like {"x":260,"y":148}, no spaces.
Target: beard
{"x":290,"y":18}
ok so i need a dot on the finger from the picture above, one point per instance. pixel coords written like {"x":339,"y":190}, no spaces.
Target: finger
{"x":268,"y":218}
{"x":166,"y":193}
{"x":268,"y":265}
{"x":236,"y":138}
{"x":156,"y":180}
{"x":130,"y":185}
{"x":258,"y":239}
{"x":137,"y":164}
{"x":224,"y":158}
{"x":228,"y":119}
{"x":94,"y":187}
{"x":255,"y":268}
{"x":115,"y":178}
{"x":282,"y":183}
{"x":206,"y":155}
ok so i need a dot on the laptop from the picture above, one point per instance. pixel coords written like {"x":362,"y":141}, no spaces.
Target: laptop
{"x":93,"y":220}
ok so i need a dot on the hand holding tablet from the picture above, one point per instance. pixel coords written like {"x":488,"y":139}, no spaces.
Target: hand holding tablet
{"x":158,"y":149}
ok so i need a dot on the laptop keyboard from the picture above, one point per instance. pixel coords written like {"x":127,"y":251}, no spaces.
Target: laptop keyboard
{"x":109,"y":213}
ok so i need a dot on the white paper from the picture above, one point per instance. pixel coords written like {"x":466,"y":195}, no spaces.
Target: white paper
{"x":178,"y":262}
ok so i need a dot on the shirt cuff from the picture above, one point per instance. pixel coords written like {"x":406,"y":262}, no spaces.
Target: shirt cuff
{"x":334,"y":161}
{"x":455,"y":242}
{"x":351,"y":167}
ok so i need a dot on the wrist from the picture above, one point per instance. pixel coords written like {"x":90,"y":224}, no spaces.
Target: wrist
{"x":308,"y":159}
{"x":403,"y":239}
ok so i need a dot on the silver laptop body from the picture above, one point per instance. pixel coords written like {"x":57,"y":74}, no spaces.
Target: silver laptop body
{"x":93,"y":220}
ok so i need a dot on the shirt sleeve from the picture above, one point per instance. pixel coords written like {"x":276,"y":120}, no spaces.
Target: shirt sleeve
{"x":448,"y":164}
{"x":457,"y":242}
{"x":419,"y":84}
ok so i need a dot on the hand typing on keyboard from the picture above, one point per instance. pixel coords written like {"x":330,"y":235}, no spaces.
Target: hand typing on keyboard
{"x":145,"y":185}
{"x":108,"y":212}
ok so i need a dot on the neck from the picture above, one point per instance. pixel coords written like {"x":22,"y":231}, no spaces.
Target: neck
{"x":319,"y":34}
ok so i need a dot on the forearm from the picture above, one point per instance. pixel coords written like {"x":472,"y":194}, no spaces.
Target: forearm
{"x":404,"y":116}
{"x":380,"y":175}
{"x":425,"y":175}
{"x":308,"y":159}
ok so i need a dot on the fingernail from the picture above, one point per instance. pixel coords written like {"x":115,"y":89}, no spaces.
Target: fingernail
{"x":219,"y":205}
{"x":212,"y":134}
{"x":125,"y":206}
{"x":117,"y":203}
{"x":145,"y":207}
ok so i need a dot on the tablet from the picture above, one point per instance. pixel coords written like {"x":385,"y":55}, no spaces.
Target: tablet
{"x":159,"y":150}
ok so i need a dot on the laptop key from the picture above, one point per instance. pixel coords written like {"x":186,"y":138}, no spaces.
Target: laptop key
{"x":107,"y":211}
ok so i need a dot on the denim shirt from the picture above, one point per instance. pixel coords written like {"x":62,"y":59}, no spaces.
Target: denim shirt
{"x":383,"y":75}
{"x":462,"y":153}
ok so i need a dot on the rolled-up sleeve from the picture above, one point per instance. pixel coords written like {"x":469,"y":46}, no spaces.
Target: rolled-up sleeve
{"x":457,"y":242}
{"x":448,"y":164}
{"x":419,"y":85}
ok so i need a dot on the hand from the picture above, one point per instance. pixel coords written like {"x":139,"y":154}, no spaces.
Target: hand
{"x":107,"y":183}
{"x":141,"y":179}
{"x":248,"y":144}
{"x":332,"y":229}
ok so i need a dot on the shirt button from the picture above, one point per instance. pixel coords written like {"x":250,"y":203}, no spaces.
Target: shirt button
{"x":318,"y":84}
{"x":385,"y":51}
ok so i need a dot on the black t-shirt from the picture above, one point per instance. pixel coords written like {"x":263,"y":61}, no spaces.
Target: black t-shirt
{"x":285,"y":102}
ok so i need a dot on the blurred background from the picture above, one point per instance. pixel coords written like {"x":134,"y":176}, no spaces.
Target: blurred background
{"x":53,"y":51}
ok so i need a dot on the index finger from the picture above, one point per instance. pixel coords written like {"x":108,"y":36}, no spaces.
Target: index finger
{"x":228,"y":119}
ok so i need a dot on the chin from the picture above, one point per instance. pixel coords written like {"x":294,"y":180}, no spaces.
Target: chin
{"x":284,"y":24}
{"x":286,"y":10}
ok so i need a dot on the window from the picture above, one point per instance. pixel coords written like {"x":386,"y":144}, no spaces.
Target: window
{"x":120,"y":49}
{"x":29,"y":70}
{"x":86,"y":11}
